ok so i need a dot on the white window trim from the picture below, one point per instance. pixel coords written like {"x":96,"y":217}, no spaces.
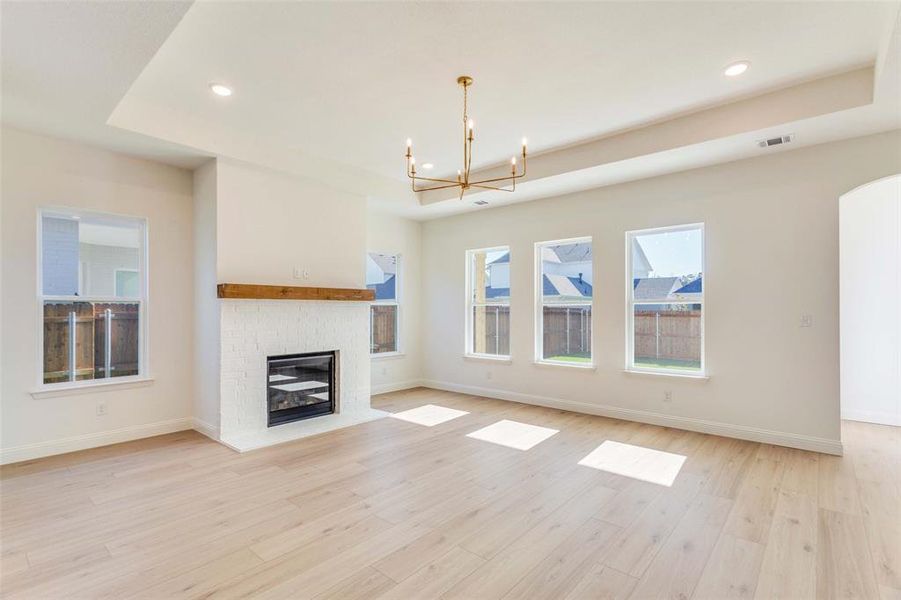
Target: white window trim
{"x":398,"y":297}
{"x":540,"y":304}
{"x":468,"y":351}
{"x":631,"y":367}
{"x":144,"y":375}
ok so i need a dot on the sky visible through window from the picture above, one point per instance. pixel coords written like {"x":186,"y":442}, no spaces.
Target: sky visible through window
{"x":673,"y":253}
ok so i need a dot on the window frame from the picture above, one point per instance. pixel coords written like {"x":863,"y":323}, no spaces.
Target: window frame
{"x":630,"y":304}
{"x":468,"y":350}
{"x":396,"y":302}
{"x":143,"y":299}
{"x":540,"y":304}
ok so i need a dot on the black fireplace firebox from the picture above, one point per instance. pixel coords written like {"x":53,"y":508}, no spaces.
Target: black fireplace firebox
{"x":301,"y":386}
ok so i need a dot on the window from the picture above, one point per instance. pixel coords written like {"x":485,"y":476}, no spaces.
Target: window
{"x":666,"y":300}
{"x":93,"y":296}
{"x":488,"y":302}
{"x":127,"y":283}
{"x":564,"y":286}
{"x":382,"y":276}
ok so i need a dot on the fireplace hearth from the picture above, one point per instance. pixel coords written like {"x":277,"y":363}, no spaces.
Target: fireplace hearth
{"x":301,"y":386}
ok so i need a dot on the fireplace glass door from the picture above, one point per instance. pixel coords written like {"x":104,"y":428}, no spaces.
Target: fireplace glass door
{"x":300,"y":386}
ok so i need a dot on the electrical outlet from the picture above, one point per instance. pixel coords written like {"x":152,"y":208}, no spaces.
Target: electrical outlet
{"x":667,"y":396}
{"x":301,"y":273}
{"x":384,"y":370}
{"x":806,"y":321}
{"x":488,"y":374}
{"x":101,"y":409}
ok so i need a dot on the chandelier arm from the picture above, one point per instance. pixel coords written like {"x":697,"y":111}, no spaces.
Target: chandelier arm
{"x":437,"y":187}
{"x":496,"y":179}
{"x":490,"y":187}
{"x":512,"y":178}
{"x":418,"y":178}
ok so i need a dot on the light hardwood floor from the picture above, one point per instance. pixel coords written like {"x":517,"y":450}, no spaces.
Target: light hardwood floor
{"x":392,"y":509}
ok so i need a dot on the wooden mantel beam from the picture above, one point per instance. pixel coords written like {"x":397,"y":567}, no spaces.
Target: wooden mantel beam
{"x":247,"y":291}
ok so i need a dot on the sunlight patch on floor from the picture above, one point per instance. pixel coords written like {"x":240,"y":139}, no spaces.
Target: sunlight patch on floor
{"x":429,"y":415}
{"x":513,"y":434}
{"x":646,"y":464}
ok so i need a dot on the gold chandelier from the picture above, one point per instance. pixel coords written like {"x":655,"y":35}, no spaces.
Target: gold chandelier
{"x":463,"y":181}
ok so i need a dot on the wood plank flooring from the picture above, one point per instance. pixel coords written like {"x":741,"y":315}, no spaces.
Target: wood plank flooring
{"x":392,"y":509}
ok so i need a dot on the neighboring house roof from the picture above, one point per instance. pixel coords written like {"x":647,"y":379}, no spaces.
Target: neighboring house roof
{"x":661,"y":288}
{"x":385,"y":290}
{"x":561,"y":285}
{"x":501,"y":259}
{"x":692,"y":287}
{"x":567,"y":253}
{"x":655,"y":288}
{"x":386,"y":262}
{"x":570,"y":253}
{"x":553,"y":285}
{"x":491,"y":292}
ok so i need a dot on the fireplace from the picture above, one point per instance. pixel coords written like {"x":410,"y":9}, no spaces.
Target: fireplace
{"x":301,"y":386}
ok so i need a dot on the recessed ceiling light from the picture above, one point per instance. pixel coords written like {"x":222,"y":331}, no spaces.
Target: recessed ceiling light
{"x":427,"y":165}
{"x":220,"y":90}
{"x":736,"y":69}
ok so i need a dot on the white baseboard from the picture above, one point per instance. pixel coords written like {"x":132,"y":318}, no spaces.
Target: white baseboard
{"x":397,"y":386}
{"x":211,"y":431}
{"x":92,"y":440}
{"x":779,"y":438}
{"x":872,"y":416}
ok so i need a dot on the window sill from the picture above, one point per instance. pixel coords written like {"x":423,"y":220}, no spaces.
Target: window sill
{"x":506,"y":360}
{"x":699,"y":376}
{"x":566,"y":365}
{"x":387,"y":355}
{"x":71,"y":389}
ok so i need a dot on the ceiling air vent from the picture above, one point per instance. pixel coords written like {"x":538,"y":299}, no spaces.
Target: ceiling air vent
{"x":480,"y":202}
{"x":776,"y":141}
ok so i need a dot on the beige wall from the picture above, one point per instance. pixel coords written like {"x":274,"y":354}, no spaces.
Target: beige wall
{"x":206,"y":303}
{"x":39,"y":171}
{"x":772,"y":255}
{"x":390,"y":234}
{"x":271,"y":222}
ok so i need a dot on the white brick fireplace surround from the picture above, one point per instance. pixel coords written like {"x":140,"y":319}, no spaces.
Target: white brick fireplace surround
{"x":252,"y":330}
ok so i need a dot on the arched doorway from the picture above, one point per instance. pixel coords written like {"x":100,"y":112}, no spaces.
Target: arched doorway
{"x":870,"y":302}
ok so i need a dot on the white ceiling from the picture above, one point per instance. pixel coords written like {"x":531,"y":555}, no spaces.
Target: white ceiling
{"x":351,"y":81}
{"x":65,"y":66}
{"x":332,"y":90}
